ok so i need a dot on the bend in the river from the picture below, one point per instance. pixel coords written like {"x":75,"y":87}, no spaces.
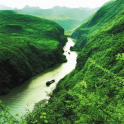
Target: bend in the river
{"x":26,"y":96}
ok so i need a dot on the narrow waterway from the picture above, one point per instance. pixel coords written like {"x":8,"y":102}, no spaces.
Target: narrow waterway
{"x":23,"y":98}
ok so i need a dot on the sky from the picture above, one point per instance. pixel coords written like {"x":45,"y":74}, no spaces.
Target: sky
{"x":51,"y":3}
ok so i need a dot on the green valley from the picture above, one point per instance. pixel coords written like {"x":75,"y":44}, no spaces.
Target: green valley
{"x":94,"y":92}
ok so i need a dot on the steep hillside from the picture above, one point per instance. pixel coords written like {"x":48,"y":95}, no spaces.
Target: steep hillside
{"x":28,"y":46}
{"x":94,"y":92}
{"x":68,"y":18}
{"x":95,"y":24}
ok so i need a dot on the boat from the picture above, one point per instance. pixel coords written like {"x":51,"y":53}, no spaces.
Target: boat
{"x":48,"y":83}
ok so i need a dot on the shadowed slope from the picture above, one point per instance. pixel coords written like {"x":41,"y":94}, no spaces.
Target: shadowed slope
{"x":28,"y":46}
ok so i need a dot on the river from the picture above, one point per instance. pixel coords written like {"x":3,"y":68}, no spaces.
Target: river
{"x":24,"y":98}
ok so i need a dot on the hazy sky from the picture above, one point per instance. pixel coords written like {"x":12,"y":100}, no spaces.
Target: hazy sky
{"x":52,"y":3}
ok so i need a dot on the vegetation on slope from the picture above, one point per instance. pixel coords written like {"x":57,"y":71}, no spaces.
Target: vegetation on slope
{"x":28,"y":46}
{"x":95,"y":24}
{"x":68,"y":18}
{"x":94,"y":92}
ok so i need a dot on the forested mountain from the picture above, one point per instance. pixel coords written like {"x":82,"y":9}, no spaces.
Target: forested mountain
{"x":68,"y":18}
{"x":94,"y":92}
{"x":28,"y":46}
{"x":101,"y":18}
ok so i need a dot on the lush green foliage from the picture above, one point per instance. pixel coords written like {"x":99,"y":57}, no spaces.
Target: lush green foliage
{"x":94,"y":92}
{"x":28,"y":46}
{"x":105,"y":16}
{"x":68,"y":18}
{"x":7,"y":118}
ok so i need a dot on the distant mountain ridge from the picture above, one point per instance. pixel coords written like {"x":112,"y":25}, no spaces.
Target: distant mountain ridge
{"x":68,"y":18}
{"x":57,"y":11}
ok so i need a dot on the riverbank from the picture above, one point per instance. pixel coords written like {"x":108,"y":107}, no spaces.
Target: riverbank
{"x":25,"y":97}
